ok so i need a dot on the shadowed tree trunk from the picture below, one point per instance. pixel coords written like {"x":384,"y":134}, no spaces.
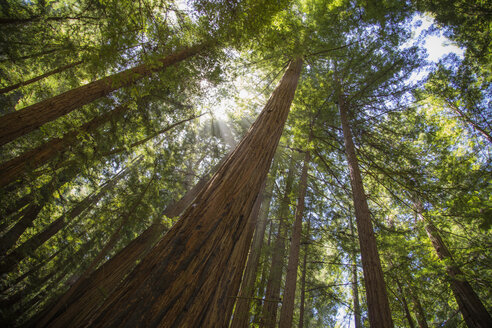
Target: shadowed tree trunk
{"x":247,"y":291}
{"x":29,"y":246}
{"x":355,"y":283}
{"x":40,"y":77}
{"x":471,"y":307}
{"x":25,"y":120}
{"x":419,"y":310}
{"x":115,"y":236}
{"x":303,"y":278}
{"x":32,"y":159}
{"x":272,"y":293}
{"x":92,"y":292}
{"x":404,"y":303}
{"x":287,"y":310}
{"x":174,"y":284}
{"x":377,"y":298}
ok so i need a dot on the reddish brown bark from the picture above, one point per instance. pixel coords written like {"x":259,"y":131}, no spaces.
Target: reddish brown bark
{"x":92,"y":292}
{"x":287,"y":310}
{"x":246,"y":293}
{"x":115,"y":236}
{"x":272,"y":293}
{"x":471,"y":307}
{"x":174,"y":283}
{"x":40,"y":77}
{"x":32,"y":159}
{"x":377,"y":298}
{"x":25,"y":120}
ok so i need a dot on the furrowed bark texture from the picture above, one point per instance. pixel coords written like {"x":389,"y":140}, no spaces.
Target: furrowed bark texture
{"x":471,"y":307}
{"x":272,"y":293}
{"x":377,"y":298}
{"x":21,"y":122}
{"x":287,"y":310}
{"x":40,"y":77}
{"x":303,"y":278}
{"x":222,"y":304}
{"x":32,"y":159}
{"x":115,"y":236}
{"x":173,"y":284}
{"x":247,"y":291}
{"x":92,"y":292}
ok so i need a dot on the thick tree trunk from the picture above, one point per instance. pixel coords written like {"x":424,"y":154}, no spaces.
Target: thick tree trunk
{"x":21,"y":122}
{"x":174,"y":284}
{"x":92,"y":292}
{"x":471,"y":307}
{"x":247,"y":291}
{"x":115,"y":236}
{"x":355,"y":283}
{"x":32,"y":159}
{"x":377,"y":299}
{"x":40,"y":77}
{"x":287,"y":310}
{"x":230,"y":280}
{"x":303,"y":278}
{"x":272,"y":293}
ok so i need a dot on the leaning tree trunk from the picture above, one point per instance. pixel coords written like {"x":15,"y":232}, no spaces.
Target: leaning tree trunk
{"x":30,"y":245}
{"x":40,"y":77}
{"x":377,"y":298}
{"x":115,"y":236}
{"x":404,"y":303}
{"x":355,"y":283}
{"x":471,"y":307}
{"x":287,"y":310}
{"x":174,"y":283}
{"x":21,"y":122}
{"x":419,"y":310}
{"x":92,"y":292}
{"x":32,"y":159}
{"x":272,"y":293}
{"x":247,"y":291}
{"x":303,"y":278}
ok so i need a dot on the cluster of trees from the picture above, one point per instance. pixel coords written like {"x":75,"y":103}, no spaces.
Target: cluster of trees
{"x":339,"y":191}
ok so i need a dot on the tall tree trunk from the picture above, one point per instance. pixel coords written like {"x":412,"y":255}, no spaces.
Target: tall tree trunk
{"x":32,"y":159}
{"x":377,"y":298}
{"x":92,"y":292}
{"x":25,"y":120}
{"x":247,"y":291}
{"x":272,"y":293}
{"x":287,"y":310}
{"x":174,"y":283}
{"x":261,"y":290}
{"x":419,"y":310}
{"x":40,"y":77}
{"x":230,"y":280}
{"x":303,"y":279}
{"x":404,"y":303}
{"x":29,"y":246}
{"x":115,"y":236}
{"x":471,"y":307}
{"x":355,"y":283}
